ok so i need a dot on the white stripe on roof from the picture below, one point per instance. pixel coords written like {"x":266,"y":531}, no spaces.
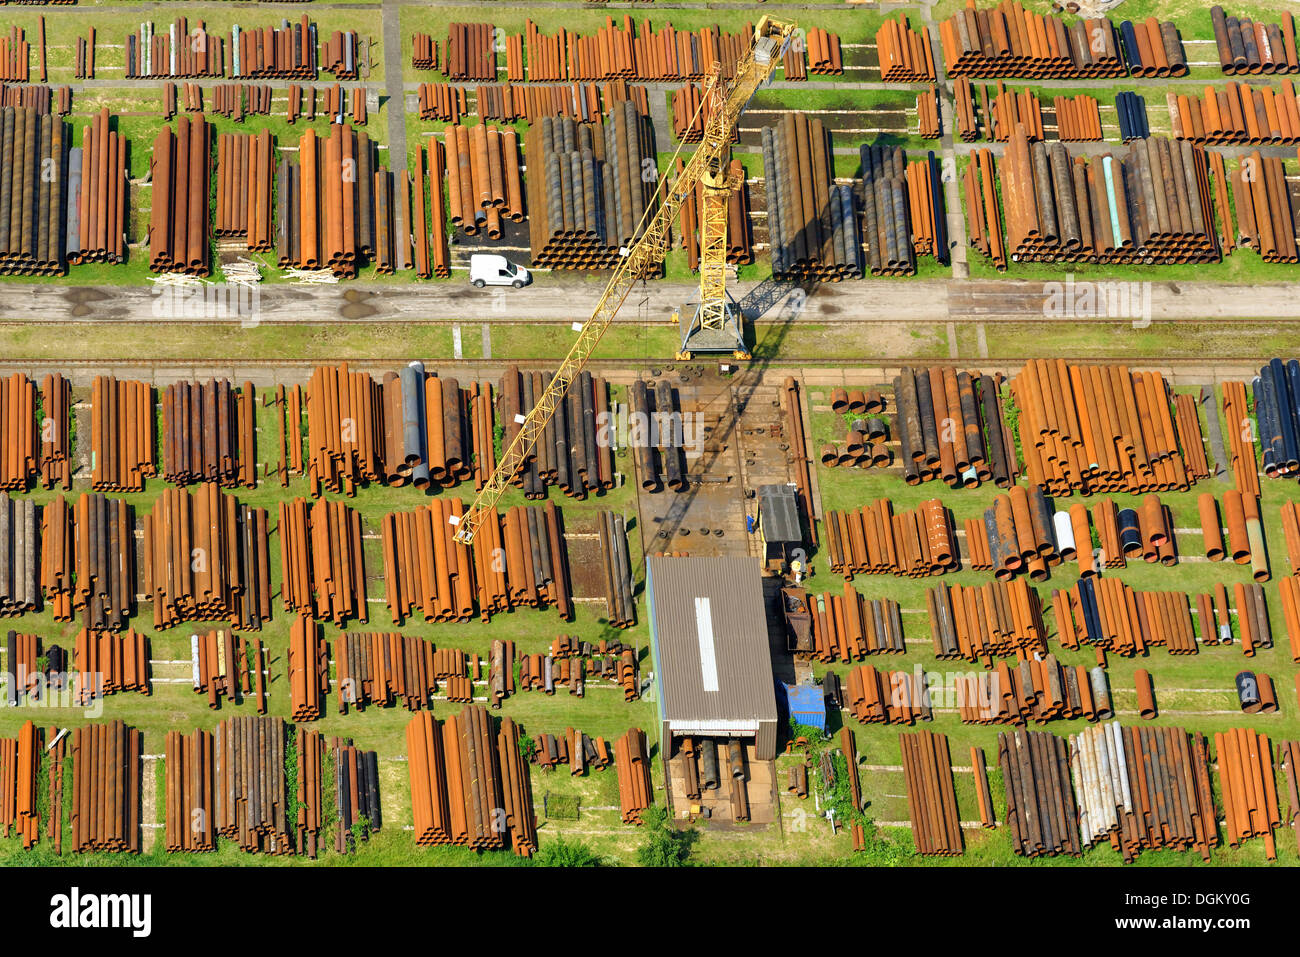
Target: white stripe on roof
{"x":704,"y":630}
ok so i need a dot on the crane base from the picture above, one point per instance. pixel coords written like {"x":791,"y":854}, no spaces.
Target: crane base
{"x":724,"y":338}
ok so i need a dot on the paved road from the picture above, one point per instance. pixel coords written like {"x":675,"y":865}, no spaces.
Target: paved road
{"x":566,"y":300}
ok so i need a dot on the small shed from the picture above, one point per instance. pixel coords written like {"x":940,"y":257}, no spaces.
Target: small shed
{"x":806,"y":705}
{"x":778,"y":521}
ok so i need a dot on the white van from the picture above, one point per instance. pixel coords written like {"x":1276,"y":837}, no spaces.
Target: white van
{"x":488,"y":270}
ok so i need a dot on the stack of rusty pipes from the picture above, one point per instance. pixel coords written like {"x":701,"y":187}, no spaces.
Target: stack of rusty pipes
{"x":811,"y":221}
{"x":1245,"y":46}
{"x":497,"y":812}
{"x":205,"y":557}
{"x":308,"y":670}
{"x":245,"y":170}
{"x":876,"y":540}
{"x":321,"y":560}
{"x":978,"y":623}
{"x":107,"y":782}
{"x":34,"y":158}
{"x":931,"y":795}
{"x":180,"y":171}
{"x":19,"y":571}
{"x":1009,"y":40}
{"x":576,"y":450}
{"x":88,"y":559}
{"x":849,"y":627}
{"x":209,"y":433}
{"x":122,"y":435}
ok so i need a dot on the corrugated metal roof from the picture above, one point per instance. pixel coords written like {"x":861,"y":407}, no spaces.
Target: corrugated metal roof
{"x":780,"y":513}
{"x":707,"y":620}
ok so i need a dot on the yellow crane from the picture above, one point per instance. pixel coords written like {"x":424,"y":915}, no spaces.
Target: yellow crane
{"x":714,"y":318}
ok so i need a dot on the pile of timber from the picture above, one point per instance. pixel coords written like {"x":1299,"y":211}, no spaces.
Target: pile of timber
{"x":227,"y":664}
{"x":931,"y":795}
{"x":34,"y":226}
{"x":442,"y":101}
{"x":1008,"y":40}
{"x":1236,"y":113}
{"x":976,"y":448}
{"x":245,"y":170}
{"x":469,"y":782}
{"x":575,"y":451}
{"x":979,"y":623}
{"x":1131,"y":113}
{"x":1037,"y":689}
{"x":308,"y":670}
{"x":517,"y":559}
{"x":1143,"y":788}
{"x":96,"y":226}
{"x":589,"y":193}
{"x":20,"y":762}
{"x":205,"y":557}
{"x":905,"y":56}
{"x":1245,"y":46}
{"x":1041,"y":811}
{"x":333,"y":202}
{"x":87,"y":559}
{"x":632,"y":761}
{"x":876,"y":540}
{"x":1265,"y":220}
{"x":811,"y":221}
{"x":322,"y":566}
{"x":356,"y":794}
{"x":620,"y":608}
{"x":849,"y":627}
{"x":209,"y":433}
{"x":180,"y":51}
{"x":1060,"y":209}
{"x":413,"y":427}
{"x":122,"y":435}
{"x":1248,"y":783}
{"x":1100,"y":428}
{"x":20,"y":573}
{"x":575,"y":748}
{"x":887,"y":697}
{"x":865,"y":445}
{"x":180,"y":170}
{"x":740,"y":238}
{"x":1153,"y":48}
{"x":983,"y":211}
{"x":484,"y":183}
